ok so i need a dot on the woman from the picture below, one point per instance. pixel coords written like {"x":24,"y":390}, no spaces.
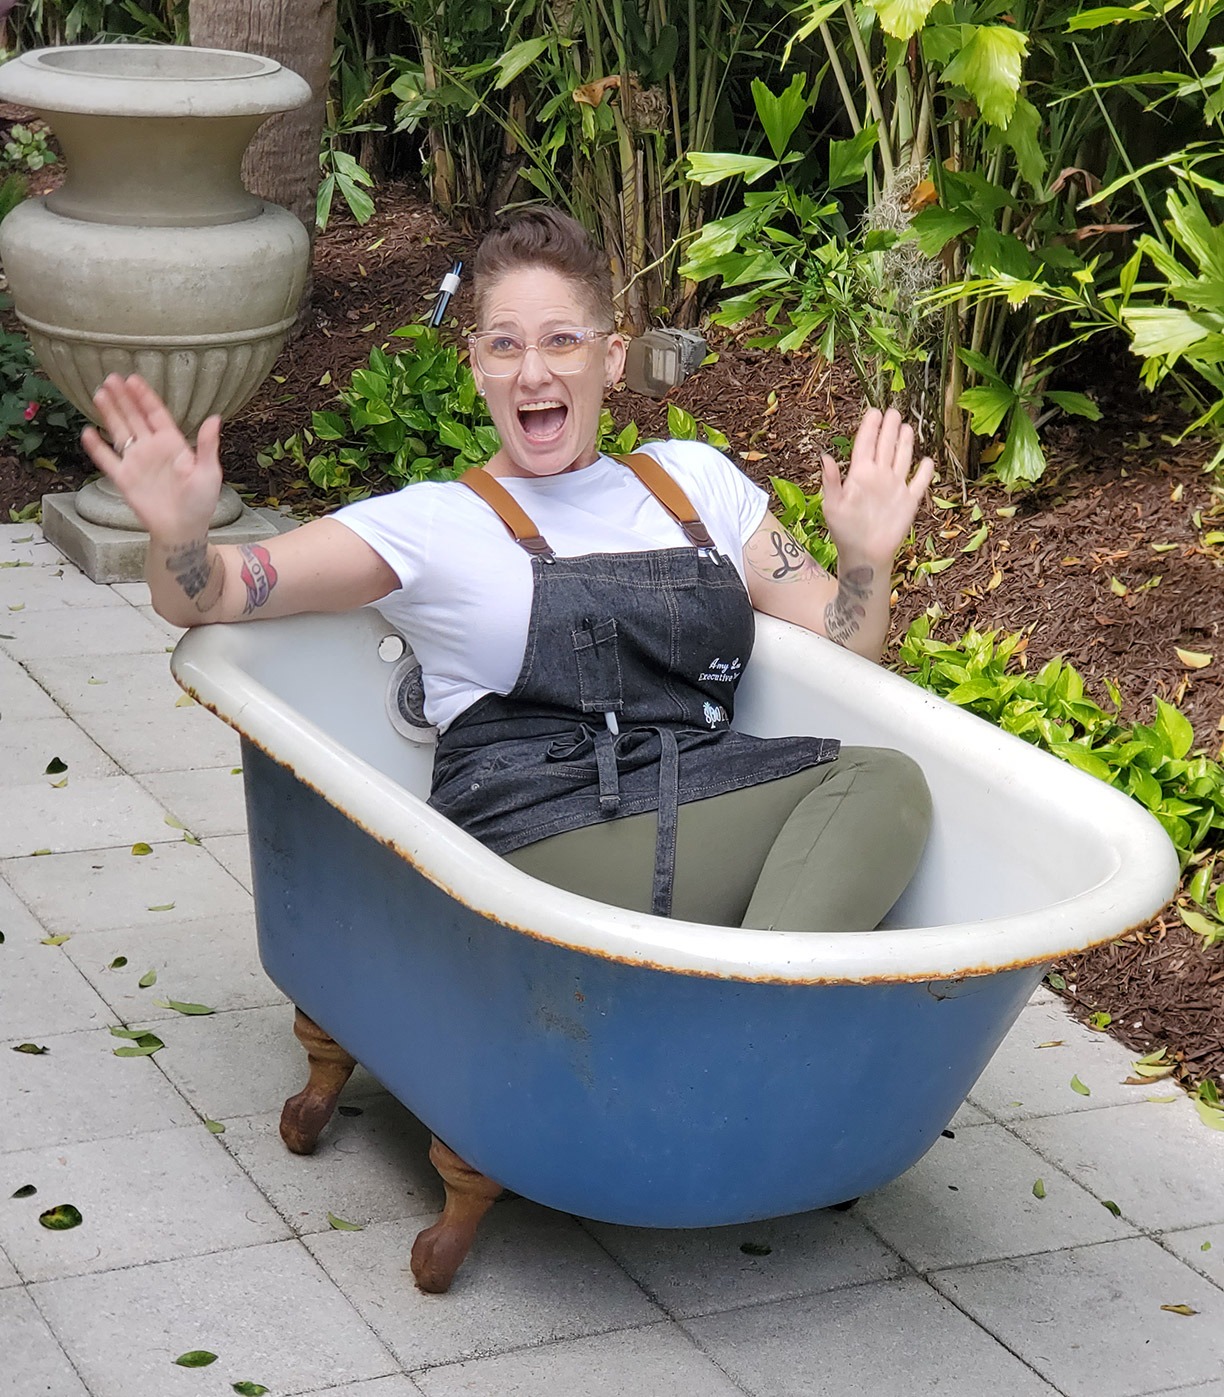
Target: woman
{"x":582,"y":622}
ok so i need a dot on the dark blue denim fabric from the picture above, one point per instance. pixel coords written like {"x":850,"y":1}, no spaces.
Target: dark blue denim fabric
{"x":623,"y":704}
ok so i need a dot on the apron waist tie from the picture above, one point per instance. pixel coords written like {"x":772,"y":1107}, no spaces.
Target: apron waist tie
{"x":605,"y":743}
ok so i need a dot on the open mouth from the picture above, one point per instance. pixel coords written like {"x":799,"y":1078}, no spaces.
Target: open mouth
{"x":543,"y":421}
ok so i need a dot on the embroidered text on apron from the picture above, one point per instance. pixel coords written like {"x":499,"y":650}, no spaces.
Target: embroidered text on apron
{"x":625,"y":696}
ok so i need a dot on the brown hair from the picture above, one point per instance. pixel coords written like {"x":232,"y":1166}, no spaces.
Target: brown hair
{"x":540,"y":236}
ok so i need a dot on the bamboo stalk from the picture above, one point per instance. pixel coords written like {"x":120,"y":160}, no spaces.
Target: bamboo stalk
{"x":839,"y":75}
{"x":869,"y":85}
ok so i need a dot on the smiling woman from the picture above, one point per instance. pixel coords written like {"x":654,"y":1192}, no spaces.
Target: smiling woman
{"x":582,"y":621}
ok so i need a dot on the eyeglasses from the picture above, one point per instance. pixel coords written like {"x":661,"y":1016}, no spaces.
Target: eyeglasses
{"x":498,"y":353}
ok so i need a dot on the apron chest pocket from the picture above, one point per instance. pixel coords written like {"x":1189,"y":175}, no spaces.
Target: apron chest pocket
{"x":599,"y":674}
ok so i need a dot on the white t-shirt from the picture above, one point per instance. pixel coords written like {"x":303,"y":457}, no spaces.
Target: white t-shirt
{"x":465,"y":586}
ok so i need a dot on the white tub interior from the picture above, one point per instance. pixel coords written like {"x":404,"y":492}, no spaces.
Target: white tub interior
{"x":1017,"y":834}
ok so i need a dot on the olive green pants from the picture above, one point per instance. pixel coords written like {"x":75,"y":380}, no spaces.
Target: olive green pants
{"x":828,"y":849}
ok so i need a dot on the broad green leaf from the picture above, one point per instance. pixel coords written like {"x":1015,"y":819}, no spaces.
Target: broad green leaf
{"x":1182,"y":1309}
{"x":1107,"y":14}
{"x":782,"y":114}
{"x":360,"y":205}
{"x":25,"y":1191}
{"x":61,"y":1218}
{"x":189,"y":838}
{"x":1198,"y":886}
{"x":118,"y":963}
{"x":196,"y":1358}
{"x":987,"y":407}
{"x":1023,"y":135}
{"x":972,"y":690}
{"x":977,"y":540}
{"x":32,"y":1049}
{"x":989,"y":67}
{"x":935,"y":227}
{"x":145,"y":1046}
{"x":1202,"y":926}
{"x":161,"y":907}
{"x":707,"y":168}
{"x":1039,"y":1190}
{"x":249,"y":1389}
{"x":1112,"y":1206}
{"x":341,"y":1226}
{"x":140,"y":849}
{"x":518,"y":59}
{"x":902,"y":18}
{"x":1081,"y":758}
{"x":1000,"y":252}
{"x":180,"y":1007}
{"x":1022,"y":458}
{"x":1174,"y":728}
{"x":173,"y":821}
{"x":55,"y":940}
{"x":1210,"y":1115}
{"x":1078,"y":1086}
{"x":1160,"y":330}
{"x":55,"y":767}
{"x":148,"y":979}
{"x":1078,"y":403}
{"x":982,"y":366}
{"x":216,"y":1127}
{"x":848,"y":159}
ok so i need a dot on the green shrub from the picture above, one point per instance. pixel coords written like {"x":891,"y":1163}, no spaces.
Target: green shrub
{"x":34,"y":415}
{"x":1151,"y":762}
{"x":27,"y":148}
{"x":410,"y":416}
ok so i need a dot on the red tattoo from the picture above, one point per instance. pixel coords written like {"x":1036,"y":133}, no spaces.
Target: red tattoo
{"x":258,"y":574}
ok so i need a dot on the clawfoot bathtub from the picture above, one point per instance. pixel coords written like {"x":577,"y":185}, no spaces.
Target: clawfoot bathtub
{"x":631,"y":1068}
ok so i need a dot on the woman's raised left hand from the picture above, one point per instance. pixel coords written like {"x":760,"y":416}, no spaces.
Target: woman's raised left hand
{"x":870,"y":510}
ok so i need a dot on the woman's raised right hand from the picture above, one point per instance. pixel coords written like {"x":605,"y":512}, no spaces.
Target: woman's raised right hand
{"x":171,"y":488}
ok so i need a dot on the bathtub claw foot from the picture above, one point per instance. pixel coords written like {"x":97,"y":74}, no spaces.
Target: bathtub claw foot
{"x":304,"y":1115}
{"x":438,"y":1252}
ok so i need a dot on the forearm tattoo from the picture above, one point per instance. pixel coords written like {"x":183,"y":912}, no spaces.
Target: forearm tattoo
{"x":844,"y":614}
{"x":781,"y":559}
{"x":199,"y":576}
{"x":258,"y":575}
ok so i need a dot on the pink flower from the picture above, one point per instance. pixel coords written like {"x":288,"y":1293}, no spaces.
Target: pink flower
{"x":31,"y":411}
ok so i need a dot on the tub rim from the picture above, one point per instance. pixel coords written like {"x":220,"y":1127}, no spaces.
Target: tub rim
{"x":1141,"y":880}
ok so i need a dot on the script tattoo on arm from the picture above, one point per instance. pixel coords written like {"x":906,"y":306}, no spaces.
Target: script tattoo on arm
{"x":844,"y":614}
{"x":782,"y":559}
{"x":258,"y":575}
{"x":201,"y":578}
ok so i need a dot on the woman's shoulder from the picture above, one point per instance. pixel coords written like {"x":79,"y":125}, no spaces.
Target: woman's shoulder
{"x":419,"y":503}
{"x":700,"y":469}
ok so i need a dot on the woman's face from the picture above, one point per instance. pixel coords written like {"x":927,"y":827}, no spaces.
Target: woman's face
{"x":548,"y":421}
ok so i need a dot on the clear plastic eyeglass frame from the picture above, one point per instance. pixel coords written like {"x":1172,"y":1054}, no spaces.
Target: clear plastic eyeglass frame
{"x":565,"y":351}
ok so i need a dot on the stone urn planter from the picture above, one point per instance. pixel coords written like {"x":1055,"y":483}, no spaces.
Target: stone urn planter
{"x":152,"y":257}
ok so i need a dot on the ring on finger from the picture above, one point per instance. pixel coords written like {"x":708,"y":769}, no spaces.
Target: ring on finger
{"x":123,"y":445}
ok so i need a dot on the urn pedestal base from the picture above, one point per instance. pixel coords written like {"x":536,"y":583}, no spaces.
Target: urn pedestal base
{"x":108,"y":555}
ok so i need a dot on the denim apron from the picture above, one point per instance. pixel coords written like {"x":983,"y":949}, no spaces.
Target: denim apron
{"x":625,"y":696}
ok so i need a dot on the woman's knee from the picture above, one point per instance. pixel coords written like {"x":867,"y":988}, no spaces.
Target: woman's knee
{"x":898,"y":780}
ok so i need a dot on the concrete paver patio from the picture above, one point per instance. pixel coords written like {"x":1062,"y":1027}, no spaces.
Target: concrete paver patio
{"x":956,"y":1279}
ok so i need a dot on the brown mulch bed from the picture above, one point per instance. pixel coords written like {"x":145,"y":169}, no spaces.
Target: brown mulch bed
{"x":1074,"y":563}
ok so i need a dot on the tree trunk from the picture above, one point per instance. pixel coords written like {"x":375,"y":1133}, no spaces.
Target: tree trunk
{"x":282,"y":163}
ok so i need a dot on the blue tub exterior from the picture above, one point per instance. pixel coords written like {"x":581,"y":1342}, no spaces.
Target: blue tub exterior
{"x":615,"y":1091}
